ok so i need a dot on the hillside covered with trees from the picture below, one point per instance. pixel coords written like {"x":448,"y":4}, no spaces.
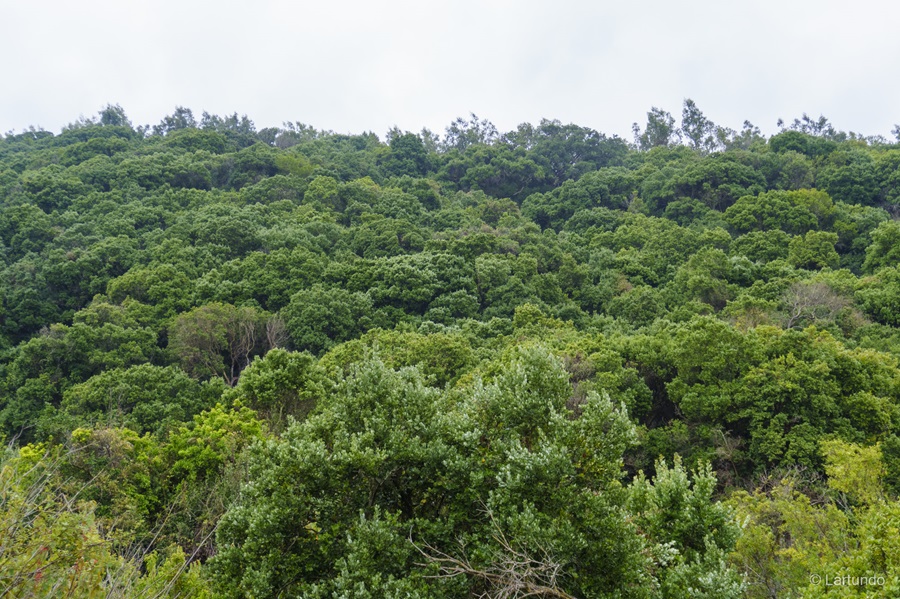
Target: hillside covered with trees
{"x":548,"y":362}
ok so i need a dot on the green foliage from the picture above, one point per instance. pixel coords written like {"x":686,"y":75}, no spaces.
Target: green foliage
{"x":268,"y":279}
{"x":48,"y":547}
{"x":849,"y":176}
{"x":441,"y":357}
{"x":793,"y":212}
{"x":280,"y":384}
{"x":165,"y":287}
{"x":706,"y":277}
{"x":694,"y":532}
{"x":215,"y":437}
{"x":320,"y":317}
{"x":144,"y":398}
{"x":660,"y":130}
{"x":494,"y":333}
{"x":854,"y":469}
{"x":762,"y":246}
{"x":885,"y":247}
{"x":43,"y":367}
{"x":879,"y":296}
{"x":322,"y":192}
{"x":220,"y":340}
{"x":786,"y":539}
{"x":802,"y":143}
{"x":814,"y":250}
{"x":119,"y":471}
{"x":407,"y":156}
{"x":795,"y":547}
{"x":421,"y":458}
{"x":640,"y":305}
{"x":52,"y":545}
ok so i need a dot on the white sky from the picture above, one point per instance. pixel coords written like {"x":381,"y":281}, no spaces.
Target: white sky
{"x":355,"y":66}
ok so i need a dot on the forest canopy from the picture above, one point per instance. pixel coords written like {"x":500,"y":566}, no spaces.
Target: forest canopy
{"x":546,"y":362}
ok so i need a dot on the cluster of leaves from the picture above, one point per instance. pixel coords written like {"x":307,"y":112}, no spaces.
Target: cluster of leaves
{"x":290,"y":362}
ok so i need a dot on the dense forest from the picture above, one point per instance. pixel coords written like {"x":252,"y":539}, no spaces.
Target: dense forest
{"x":547,"y":363}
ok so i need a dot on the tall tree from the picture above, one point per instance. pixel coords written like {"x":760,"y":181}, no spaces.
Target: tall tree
{"x":699,"y":130}
{"x":659,"y":131}
{"x":219,"y":340}
{"x":114,"y":115}
{"x":461,"y":134}
{"x":182,"y":118}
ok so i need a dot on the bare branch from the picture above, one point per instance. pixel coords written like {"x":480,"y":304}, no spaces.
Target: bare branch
{"x":276,"y":333}
{"x":811,"y":302}
{"x":513,"y":573}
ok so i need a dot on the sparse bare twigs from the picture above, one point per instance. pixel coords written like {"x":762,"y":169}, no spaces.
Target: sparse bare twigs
{"x":276,"y":333}
{"x":512,"y":574}
{"x":810,"y":303}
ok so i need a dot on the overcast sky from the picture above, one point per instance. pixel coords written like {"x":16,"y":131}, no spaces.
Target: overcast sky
{"x":354,"y":66}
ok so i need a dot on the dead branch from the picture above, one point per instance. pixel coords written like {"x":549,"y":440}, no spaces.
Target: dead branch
{"x":513,"y":574}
